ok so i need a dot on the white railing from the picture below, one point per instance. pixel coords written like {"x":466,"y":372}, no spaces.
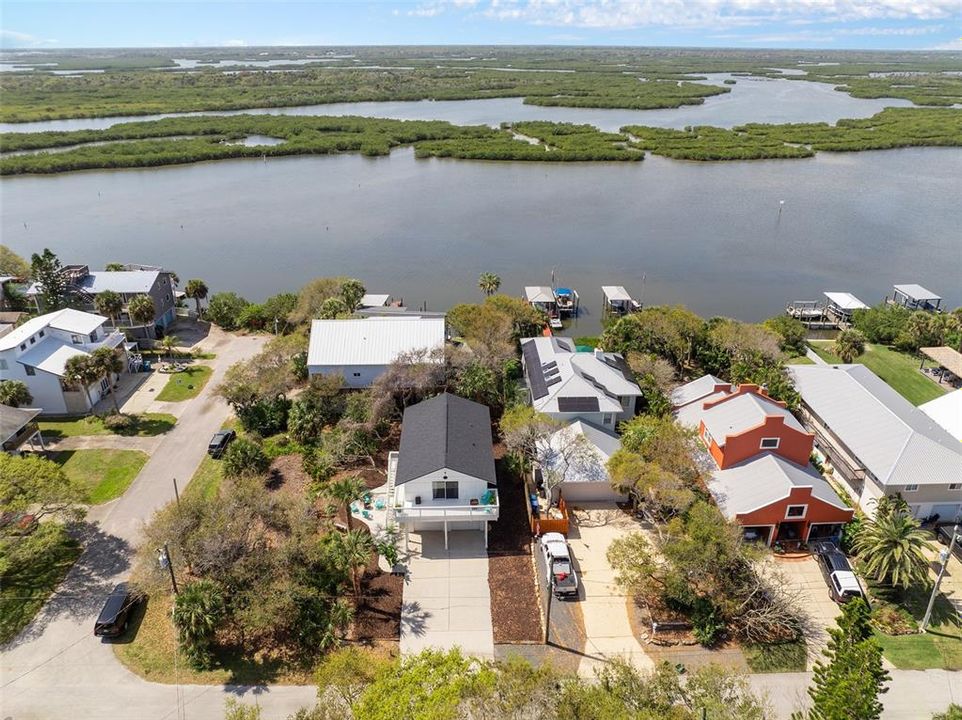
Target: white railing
{"x":448,"y":512}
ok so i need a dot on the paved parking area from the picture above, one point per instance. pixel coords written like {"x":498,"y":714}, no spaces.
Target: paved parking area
{"x":447,"y":602}
{"x":805,"y":575}
{"x":604,"y":606}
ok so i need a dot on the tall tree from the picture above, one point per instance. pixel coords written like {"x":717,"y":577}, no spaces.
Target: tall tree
{"x":108,"y":363}
{"x":142,"y":311}
{"x":82,"y":370}
{"x":848,"y":685}
{"x":12,"y":264}
{"x":489,"y":283}
{"x":47,"y":272}
{"x":345,"y":491}
{"x":848,"y":345}
{"x":351,"y":292}
{"x":525,"y":430}
{"x":169,"y":343}
{"x":109,"y":303}
{"x":196,"y":289}
{"x":892,"y":548}
{"x":14,"y":393}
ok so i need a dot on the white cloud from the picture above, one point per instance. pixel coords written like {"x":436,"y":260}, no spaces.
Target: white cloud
{"x":631,"y":14}
{"x":234,"y":43}
{"x":951,"y":45}
{"x":917,"y":30}
{"x":12,"y":38}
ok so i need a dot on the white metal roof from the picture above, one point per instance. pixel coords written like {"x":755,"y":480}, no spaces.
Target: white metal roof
{"x":764,"y":480}
{"x":695,"y":390}
{"x":916,"y":292}
{"x":615,"y":293}
{"x":50,"y":355}
{"x":129,"y":282}
{"x":539,"y":293}
{"x":743,"y":412}
{"x":68,"y":320}
{"x":371,"y":341}
{"x":895,"y":441}
{"x":591,"y":467}
{"x":371,"y":300}
{"x":947,"y":412}
{"x":845,"y":301}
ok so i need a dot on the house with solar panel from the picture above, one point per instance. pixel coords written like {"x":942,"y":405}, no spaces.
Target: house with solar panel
{"x":597,"y":387}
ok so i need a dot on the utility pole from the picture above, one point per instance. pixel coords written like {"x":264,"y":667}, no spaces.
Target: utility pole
{"x":176,"y":493}
{"x":164,"y":560}
{"x":944,"y":556}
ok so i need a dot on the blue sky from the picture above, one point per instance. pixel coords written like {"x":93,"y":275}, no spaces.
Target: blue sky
{"x":881,"y":24}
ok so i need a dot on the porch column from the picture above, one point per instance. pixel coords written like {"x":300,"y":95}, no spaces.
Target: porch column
{"x":445,"y":534}
{"x":485,"y":522}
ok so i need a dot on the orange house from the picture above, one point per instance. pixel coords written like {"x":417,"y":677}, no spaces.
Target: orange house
{"x":778,"y":501}
{"x":745,"y":422}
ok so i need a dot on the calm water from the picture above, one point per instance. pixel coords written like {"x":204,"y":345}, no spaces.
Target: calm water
{"x":751,"y":100}
{"x":707,"y":235}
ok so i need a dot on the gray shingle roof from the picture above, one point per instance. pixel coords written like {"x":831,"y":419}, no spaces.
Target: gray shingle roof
{"x":446,"y":431}
{"x":894,"y":440}
{"x":763,"y":480}
{"x":12,"y":419}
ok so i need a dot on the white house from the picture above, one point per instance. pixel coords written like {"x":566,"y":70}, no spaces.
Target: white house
{"x":878,"y":442}
{"x":36,"y":352}
{"x":443,"y":476}
{"x":574,"y":461}
{"x":598,"y":387}
{"x":362,"y":349}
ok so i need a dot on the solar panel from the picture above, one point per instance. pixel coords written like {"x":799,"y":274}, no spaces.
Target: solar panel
{"x":532,"y":363}
{"x":549,"y":365}
{"x":578,"y":404}
{"x":554,"y":380}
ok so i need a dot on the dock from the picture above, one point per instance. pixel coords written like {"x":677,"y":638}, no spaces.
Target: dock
{"x":617,"y":301}
{"x":834,"y":313}
{"x":567,"y":301}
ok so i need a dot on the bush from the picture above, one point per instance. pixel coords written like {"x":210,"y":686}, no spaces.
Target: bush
{"x":894,"y":620}
{"x":244,"y":456}
{"x":265,"y":417}
{"x":118,"y":422}
{"x":850,"y":531}
{"x":708,"y":626}
{"x":225,"y":309}
{"x":319,"y":464}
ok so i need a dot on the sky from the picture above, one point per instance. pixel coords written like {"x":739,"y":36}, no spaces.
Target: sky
{"x":833,"y":24}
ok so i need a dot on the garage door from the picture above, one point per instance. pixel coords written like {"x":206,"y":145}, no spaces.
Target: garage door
{"x":947,"y":512}
{"x":590,"y":492}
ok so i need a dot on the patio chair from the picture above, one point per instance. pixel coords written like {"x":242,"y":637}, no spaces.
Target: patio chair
{"x":379,"y":504}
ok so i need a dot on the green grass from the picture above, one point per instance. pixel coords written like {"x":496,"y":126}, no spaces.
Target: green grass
{"x":209,"y":474}
{"x":23,"y":593}
{"x":781,"y":657}
{"x":185,"y":385}
{"x":146,"y":425}
{"x":799,"y":360}
{"x":898,"y":369}
{"x":105,"y":474}
{"x":149,"y":648}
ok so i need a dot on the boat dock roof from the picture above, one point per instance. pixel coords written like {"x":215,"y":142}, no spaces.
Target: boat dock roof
{"x":845,"y":301}
{"x":916,"y":292}
{"x":615,"y":293}
{"x":539,"y":294}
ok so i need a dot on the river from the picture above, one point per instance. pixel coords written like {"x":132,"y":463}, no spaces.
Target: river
{"x":709,"y":235}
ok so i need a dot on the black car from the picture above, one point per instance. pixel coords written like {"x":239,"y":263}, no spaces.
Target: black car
{"x":218,"y":444}
{"x":943,"y":533}
{"x":113,"y":619}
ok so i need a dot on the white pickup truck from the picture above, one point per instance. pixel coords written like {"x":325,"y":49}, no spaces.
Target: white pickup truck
{"x":559,"y":572}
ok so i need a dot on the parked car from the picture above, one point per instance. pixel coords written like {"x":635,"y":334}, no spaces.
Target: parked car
{"x":115,"y":614}
{"x":218,"y":444}
{"x":843,"y":585}
{"x":943,"y":533}
{"x":560,"y":574}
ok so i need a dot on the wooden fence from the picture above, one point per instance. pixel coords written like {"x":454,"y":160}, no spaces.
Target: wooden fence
{"x":543,"y":524}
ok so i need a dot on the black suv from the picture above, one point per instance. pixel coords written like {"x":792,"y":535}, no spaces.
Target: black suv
{"x":113,"y":619}
{"x":943,"y":533}
{"x":218,"y":444}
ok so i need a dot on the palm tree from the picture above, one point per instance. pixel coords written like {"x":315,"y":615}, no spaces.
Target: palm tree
{"x":892,"y":549}
{"x":351,"y":293}
{"x":489,"y":283}
{"x":344,"y":491}
{"x":169,"y":343}
{"x":81,"y":370}
{"x":849,"y":344}
{"x":109,"y":303}
{"x":339,"y":616}
{"x":14,"y":393}
{"x":196,"y":289}
{"x":114,"y":267}
{"x":352,"y":551}
{"x":142,"y":311}
{"x":108,"y":363}
{"x":174,"y":278}
{"x":197,"y":611}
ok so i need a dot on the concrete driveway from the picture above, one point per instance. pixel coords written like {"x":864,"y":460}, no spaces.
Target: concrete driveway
{"x":604,"y":607}
{"x":567,"y":624}
{"x":447,"y":602}
{"x":56,"y":668}
{"x":806,"y":577}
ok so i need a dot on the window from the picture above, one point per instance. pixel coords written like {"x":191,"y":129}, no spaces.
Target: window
{"x":93,"y":336}
{"x":23,"y":346}
{"x":3,"y":364}
{"x":607,"y":419}
{"x":770,"y":443}
{"x":357,"y":374}
{"x":795,"y":511}
{"x":911,"y":488}
{"x":708,"y":438}
{"x":952,"y":486}
{"x":33,"y":340}
{"x":76,"y":339}
{"x":29,"y":370}
{"x":40,"y":333}
{"x":445,"y":490}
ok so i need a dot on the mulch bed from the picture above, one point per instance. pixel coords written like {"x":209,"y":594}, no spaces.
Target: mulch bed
{"x":378,"y":616}
{"x":287,"y":472}
{"x":515,"y":612}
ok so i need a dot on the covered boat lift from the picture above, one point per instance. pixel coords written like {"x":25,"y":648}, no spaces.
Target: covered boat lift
{"x":839,"y":306}
{"x":618,"y":301}
{"x":916,"y":297}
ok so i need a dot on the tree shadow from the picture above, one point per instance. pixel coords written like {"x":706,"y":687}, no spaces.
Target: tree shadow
{"x":134,"y":620}
{"x":414,"y":619}
{"x":144,"y":426}
{"x":82,"y":593}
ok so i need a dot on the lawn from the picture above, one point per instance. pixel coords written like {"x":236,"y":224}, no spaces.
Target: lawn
{"x":105,"y":474}
{"x":939,"y":647}
{"x":799,"y":360}
{"x":185,"y":385}
{"x":22,"y":594}
{"x":206,"y":480}
{"x":775,"y":658}
{"x":148,"y":649}
{"x":898,"y":369}
{"x":146,"y":425}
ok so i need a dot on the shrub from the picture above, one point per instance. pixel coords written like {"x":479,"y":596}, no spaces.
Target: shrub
{"x":894,"y":620}
{"x":225,"y":309}
{"x":319,"y":464}
{"x":707,"y":623}
{"x":265,"y":417}
{"x":198,"y":610}
{"x":244,"y":456}
{"x":118,"y":422}
{"x":850,"y":531}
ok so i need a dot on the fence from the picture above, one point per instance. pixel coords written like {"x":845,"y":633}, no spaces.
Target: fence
{"x":542,"y":525}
